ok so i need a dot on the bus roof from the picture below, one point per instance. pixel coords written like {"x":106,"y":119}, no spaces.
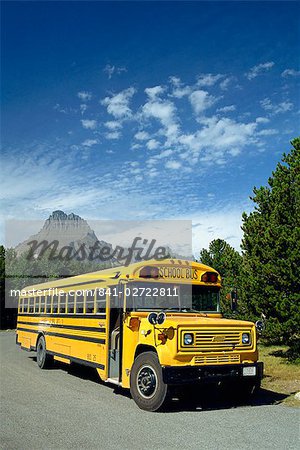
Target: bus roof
{"x":121,"y":273}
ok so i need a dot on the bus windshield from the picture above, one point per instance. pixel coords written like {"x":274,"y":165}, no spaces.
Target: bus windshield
{"x":172,"y":297}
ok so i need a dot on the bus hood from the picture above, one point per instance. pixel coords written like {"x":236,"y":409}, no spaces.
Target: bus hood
{"x":182,"y":320}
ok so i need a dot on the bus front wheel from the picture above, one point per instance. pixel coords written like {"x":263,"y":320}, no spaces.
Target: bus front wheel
{"x":146,"y":382}
{"x":43,"y":359}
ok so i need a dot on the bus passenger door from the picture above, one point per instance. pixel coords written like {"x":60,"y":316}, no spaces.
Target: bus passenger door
{"x":116,"y":333}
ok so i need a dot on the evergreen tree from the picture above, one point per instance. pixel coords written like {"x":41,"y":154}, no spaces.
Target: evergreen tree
{"x":271,"y":250}
{"x":227,"y":261}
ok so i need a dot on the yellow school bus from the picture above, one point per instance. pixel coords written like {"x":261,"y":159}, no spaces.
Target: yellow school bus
{"x":147,"y":327}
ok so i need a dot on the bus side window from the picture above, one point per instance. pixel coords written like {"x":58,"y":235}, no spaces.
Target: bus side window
{"x":55,"y":304}
{"x":31,"y":304}
{"x":79,"y":303}
{"x":100,"y":300}
{"x":62,"y":303}
{"x":90,"y":301}
{"x":25,"y":305}
{"x":20,"y":305}
{"x":71,"y":302}
{"x":37,"y":304}
{"x":42,"y":310}
{"x":48,"y":304}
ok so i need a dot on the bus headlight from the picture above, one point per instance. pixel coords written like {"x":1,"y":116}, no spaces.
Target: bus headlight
{"x":246,"y":338}
{"x":188,"y":339}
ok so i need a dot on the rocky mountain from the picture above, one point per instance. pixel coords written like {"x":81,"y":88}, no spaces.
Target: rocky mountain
{"x":66,"y":234}
{"x":69,"y":237}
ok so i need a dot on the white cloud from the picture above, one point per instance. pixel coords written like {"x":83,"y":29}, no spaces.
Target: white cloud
{"x":217,"y":137}
{"x":165,"y":112}
{"x":83,"y":108}
{"x":155,"y":158}
{"x":84,"y":96}
{"x":201,"y":100}
{"x":142,"y":136}
{"x":227,"y":108}
{"x":208,"y":79}
{"x":154,"y":92}
{"x":267,"y":132}
{"x":164,"y":154}
{"x":136,"y":146}
{"x":152,"y":144}
{"x":226,"y":133}
{"x":282,"y":107}
{"x":290,"y":73}
{"x":111,"y":70}
{"x":175,"y":81}
{"x":89,"y":142}
{"x":179,"y":90}
{"x":174,"y":165}
{"x":226,"y":82}
{"x":89,"y":124}
{"x":113,"y":125}
{"x":262,"y":120}
{"x":153,"y":172}
{"x":113,"y":135}
{"x":60,"y":109}
{"x":118,"y":104}
{"x":257,"y":70}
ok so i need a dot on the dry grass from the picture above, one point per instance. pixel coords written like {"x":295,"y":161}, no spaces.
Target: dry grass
{"x":280,"y":376}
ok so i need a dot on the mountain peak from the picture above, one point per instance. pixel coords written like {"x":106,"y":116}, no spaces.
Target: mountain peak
{"x":61,"y":215}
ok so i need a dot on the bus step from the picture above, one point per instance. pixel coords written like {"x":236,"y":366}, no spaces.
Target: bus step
{"x":113,"y":381}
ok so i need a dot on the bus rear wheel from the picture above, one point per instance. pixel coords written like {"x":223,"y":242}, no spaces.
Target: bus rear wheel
{"x":147,"y":387}
{"x":44,"y":360}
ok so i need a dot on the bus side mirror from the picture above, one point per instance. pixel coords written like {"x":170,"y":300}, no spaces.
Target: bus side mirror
{"x":234,"y":301}
{"x":260,"y":326}
{"x":156,"y":319}
{"x":152,"y":318}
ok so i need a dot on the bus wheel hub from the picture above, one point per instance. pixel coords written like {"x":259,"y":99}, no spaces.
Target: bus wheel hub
{"x":147,"y":382}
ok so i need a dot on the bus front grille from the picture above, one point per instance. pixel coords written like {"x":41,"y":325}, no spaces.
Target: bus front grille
{"x":217,"y":359}
{"x":211,"y":340}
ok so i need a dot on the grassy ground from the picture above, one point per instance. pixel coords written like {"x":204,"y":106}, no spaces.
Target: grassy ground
{"x":280,"y":376}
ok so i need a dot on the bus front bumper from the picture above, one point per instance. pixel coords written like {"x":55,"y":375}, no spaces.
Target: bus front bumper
{"x":212,"y":374}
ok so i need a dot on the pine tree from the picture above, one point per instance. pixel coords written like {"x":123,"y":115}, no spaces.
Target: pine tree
{"x":228,"y":262}
{"x":271,"y":251}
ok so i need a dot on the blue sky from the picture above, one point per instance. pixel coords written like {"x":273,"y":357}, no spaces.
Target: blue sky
{"x":146,"y":110}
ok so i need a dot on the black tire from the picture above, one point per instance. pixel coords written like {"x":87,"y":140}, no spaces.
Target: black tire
{"x":44,"y":360}
{"x":146,"y":382}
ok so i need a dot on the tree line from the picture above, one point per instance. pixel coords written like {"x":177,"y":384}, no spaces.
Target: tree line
{"x":265,"y":277}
